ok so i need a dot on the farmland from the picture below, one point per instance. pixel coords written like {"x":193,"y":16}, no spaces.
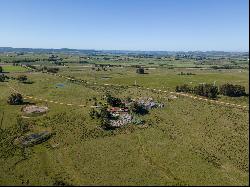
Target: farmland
{"x":187,"y":142}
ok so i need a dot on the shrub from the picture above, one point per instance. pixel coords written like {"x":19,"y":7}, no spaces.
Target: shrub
{"x":104,"y":113}
{"x":140,"y":71}
{"x":31,"y":66}
{"x":22,"y":78}
{"x":15,"y":99}
{"x":113,"y":101}
{"x":2,"y":78}
{"x":93,"y":113}
{"x":138,"y":108}
{"x":207,"y":90}
{"x":232,"y":90}
{"x":105,"y":124}
{"x":183,"y":88}
{"x":53,"y":70}
{"x":105,"y":119}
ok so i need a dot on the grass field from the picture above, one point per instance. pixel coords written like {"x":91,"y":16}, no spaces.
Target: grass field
{"x":10,"y":68}
{"x":187,"y":142}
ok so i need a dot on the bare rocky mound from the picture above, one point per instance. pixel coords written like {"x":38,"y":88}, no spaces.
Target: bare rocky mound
{"x":33,"y":109}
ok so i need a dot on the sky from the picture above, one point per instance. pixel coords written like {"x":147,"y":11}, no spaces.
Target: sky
{"x":168,"y":25}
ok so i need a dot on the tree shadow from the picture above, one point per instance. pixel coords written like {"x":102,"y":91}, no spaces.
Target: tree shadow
{"x":28,"y":82}
{"x":28,"y":103}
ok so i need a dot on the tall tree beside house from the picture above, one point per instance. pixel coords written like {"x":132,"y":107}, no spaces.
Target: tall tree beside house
{"x":113,"y":101}
{"x":138,"y":108}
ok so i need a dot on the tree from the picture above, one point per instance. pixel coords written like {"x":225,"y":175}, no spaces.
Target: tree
{"x":104,"y":113}
{"x":15,"y":99}
{"x":140,"y":70}
{"x":1,"y":69}
{"x":138,"y":108}
{"x":53,"y":70}
{"x":105,"y":119}
{"x":232,"y":90}
{"x":2,"y":77}
{"x":207,"y":90}
{"x":114,"y":102}
{"x":183,"y":88}
{"x":93,"y":113}
{"x":22,"y":78}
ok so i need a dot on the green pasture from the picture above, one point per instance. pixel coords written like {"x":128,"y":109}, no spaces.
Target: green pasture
{"x":10,"y":68}
{"x":187,"y":142}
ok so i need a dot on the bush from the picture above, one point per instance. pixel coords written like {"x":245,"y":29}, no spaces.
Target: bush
{"x":207,"y":90}
{"x":104,"y":113}
{"x":105,"y":119}
{"x":2,"y":78}
{"x":22,"y":78}
{"x":138,"y":108}
{"x":232,"y":90}
{"x":15,"y":99}
{"x":31,"y":66}
{"x":93,"y":113}
{"x":114,"y":102}
{"x":105,"y":124}
{"x":53,"y":70}
{"x":140,"y":71}
{"x":183,"y":88}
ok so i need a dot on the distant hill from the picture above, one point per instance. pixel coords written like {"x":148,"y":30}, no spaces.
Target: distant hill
{"x":121,"y":52}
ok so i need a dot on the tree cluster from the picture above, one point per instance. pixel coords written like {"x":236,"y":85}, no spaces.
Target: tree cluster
{"x":211,"y":91}
{"x":232,"y":90}
{"x":207,"y":90}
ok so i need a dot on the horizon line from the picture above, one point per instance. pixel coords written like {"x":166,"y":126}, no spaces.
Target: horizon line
{"x":140,"y":50}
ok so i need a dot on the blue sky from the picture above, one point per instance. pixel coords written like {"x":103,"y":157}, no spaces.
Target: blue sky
{"x":126,"y":24}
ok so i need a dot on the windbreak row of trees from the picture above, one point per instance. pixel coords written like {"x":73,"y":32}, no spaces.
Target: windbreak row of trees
{"x":211,"y":91}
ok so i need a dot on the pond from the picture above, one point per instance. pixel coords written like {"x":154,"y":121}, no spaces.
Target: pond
{"x":59,"y":85}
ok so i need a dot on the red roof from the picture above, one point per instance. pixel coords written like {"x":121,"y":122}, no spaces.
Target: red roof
{"x":117,"y":109}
